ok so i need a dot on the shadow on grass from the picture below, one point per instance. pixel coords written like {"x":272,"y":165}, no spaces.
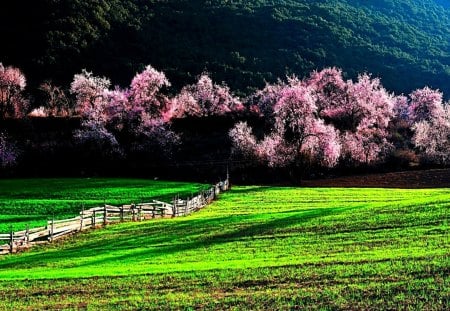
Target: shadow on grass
{"x":162,"y":239}
{"x":250,"y":189}
{"x":21,"y":219}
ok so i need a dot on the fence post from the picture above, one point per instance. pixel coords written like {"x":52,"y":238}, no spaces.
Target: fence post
{"x":105,"y":215}
{"x":228,"y":180}
{"x":163,"y":211}
{"x":52,"y":228}
{"x":27,"y":234}
{"x":93,"y":218}
{"x":81,"y":217}
{"x":137,"y":213}
{"x":121,"y":213}
{"x":11,"y":240}
{"x":174,"y":209}
{"x":133,"y":212}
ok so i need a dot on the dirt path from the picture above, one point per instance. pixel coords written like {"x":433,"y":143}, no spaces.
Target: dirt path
{"x":436,"y":178}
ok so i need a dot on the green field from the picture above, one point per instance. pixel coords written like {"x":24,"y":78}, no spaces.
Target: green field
{"x":255,"y":248}
{"x":34,"y":201}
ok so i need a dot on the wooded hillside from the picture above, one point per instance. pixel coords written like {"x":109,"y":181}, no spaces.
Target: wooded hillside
{"x":243,"y":43}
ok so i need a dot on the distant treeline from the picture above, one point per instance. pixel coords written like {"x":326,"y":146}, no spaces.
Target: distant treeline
{"x":294,"y":127}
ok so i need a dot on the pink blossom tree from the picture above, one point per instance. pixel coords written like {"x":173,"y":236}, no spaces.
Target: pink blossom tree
{"x":361,"y":111}
{"x":320,"y":120}
{"x":57,"y":102}
{"x":243,"y":139}
{"x":116,"y":117}
{"x":298,"y":135}
{"x":204,"y":99}
{"x":147,"y":110}
{"x":401,"y":108}
{"x":370,"y":112}
{"x":432,"y":138}
{"x":430,"y":119}
{"x":12,"y":101}
{"x":89,"y":91}
{"x":264,"y":101}
{"x":116,"y":112}
{"x":330,"y":92}
{"x":425,"y":104}
{"x":183,"y":105}
{"x":145,"y":92}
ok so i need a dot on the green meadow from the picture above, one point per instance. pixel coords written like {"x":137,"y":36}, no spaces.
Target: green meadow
{"x":256,"y":248}
{"x":34,"y":201}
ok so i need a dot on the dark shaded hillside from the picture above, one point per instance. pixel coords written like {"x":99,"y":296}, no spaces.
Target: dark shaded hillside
{"x":244,"y":43}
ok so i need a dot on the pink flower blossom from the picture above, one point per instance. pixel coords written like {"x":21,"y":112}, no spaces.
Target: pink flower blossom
{"x":425,"y":104}
{"x":12,"y":84}
{"x":145,"y":91}
{"x":205,"y":99}
{"x":89,"y":91}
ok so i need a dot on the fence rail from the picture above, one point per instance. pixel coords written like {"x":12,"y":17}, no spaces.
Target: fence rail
{"x":107,"y":214}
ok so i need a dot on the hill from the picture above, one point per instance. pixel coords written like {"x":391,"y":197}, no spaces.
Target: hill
{"x":244,"y":43}
{"x":255,"y":248}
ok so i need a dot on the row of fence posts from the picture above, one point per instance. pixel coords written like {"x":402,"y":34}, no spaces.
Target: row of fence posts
{"x":136,"y":214}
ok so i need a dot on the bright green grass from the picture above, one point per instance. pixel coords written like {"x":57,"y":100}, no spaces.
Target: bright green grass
{"x":34,"y":201}
{"x":255,"y":248}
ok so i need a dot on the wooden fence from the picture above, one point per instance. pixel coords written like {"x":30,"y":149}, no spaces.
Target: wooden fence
{"x":107,"y":214}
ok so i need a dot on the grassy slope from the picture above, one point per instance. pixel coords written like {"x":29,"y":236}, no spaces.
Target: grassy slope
{"x":257,"y":248}
{"x":33,"y":201}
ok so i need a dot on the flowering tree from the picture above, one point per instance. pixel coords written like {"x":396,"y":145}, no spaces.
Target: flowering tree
{"x":204,"y":99}
{"x":264,"y":101}
{"x":57,"y":102}
{"x":146,"y":112}
{"x":372,"y":109}
{"x":243,"y":139}
{"x":298,"y":135}
{"x":145,"y":92}
{"x":430,"y":119}
{"x":114,"y":118}
{"x":116,"y":112}
{"x":183,"y":105}
{"x":89,"y":92}
{"x":321,"y":119}
{"x":432,"y":137}
{"x":360,"y":110}
{"x":331,"y":93}
{"x":12,"y":84}
{"x":401,"y":108}
{"x":425,"y":104}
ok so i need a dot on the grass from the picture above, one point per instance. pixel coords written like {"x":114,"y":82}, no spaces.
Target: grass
{"x":34,"y":201}
{"x":255,"y":248}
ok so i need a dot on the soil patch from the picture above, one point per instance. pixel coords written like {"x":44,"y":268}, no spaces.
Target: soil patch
{"x":436,"y":178}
